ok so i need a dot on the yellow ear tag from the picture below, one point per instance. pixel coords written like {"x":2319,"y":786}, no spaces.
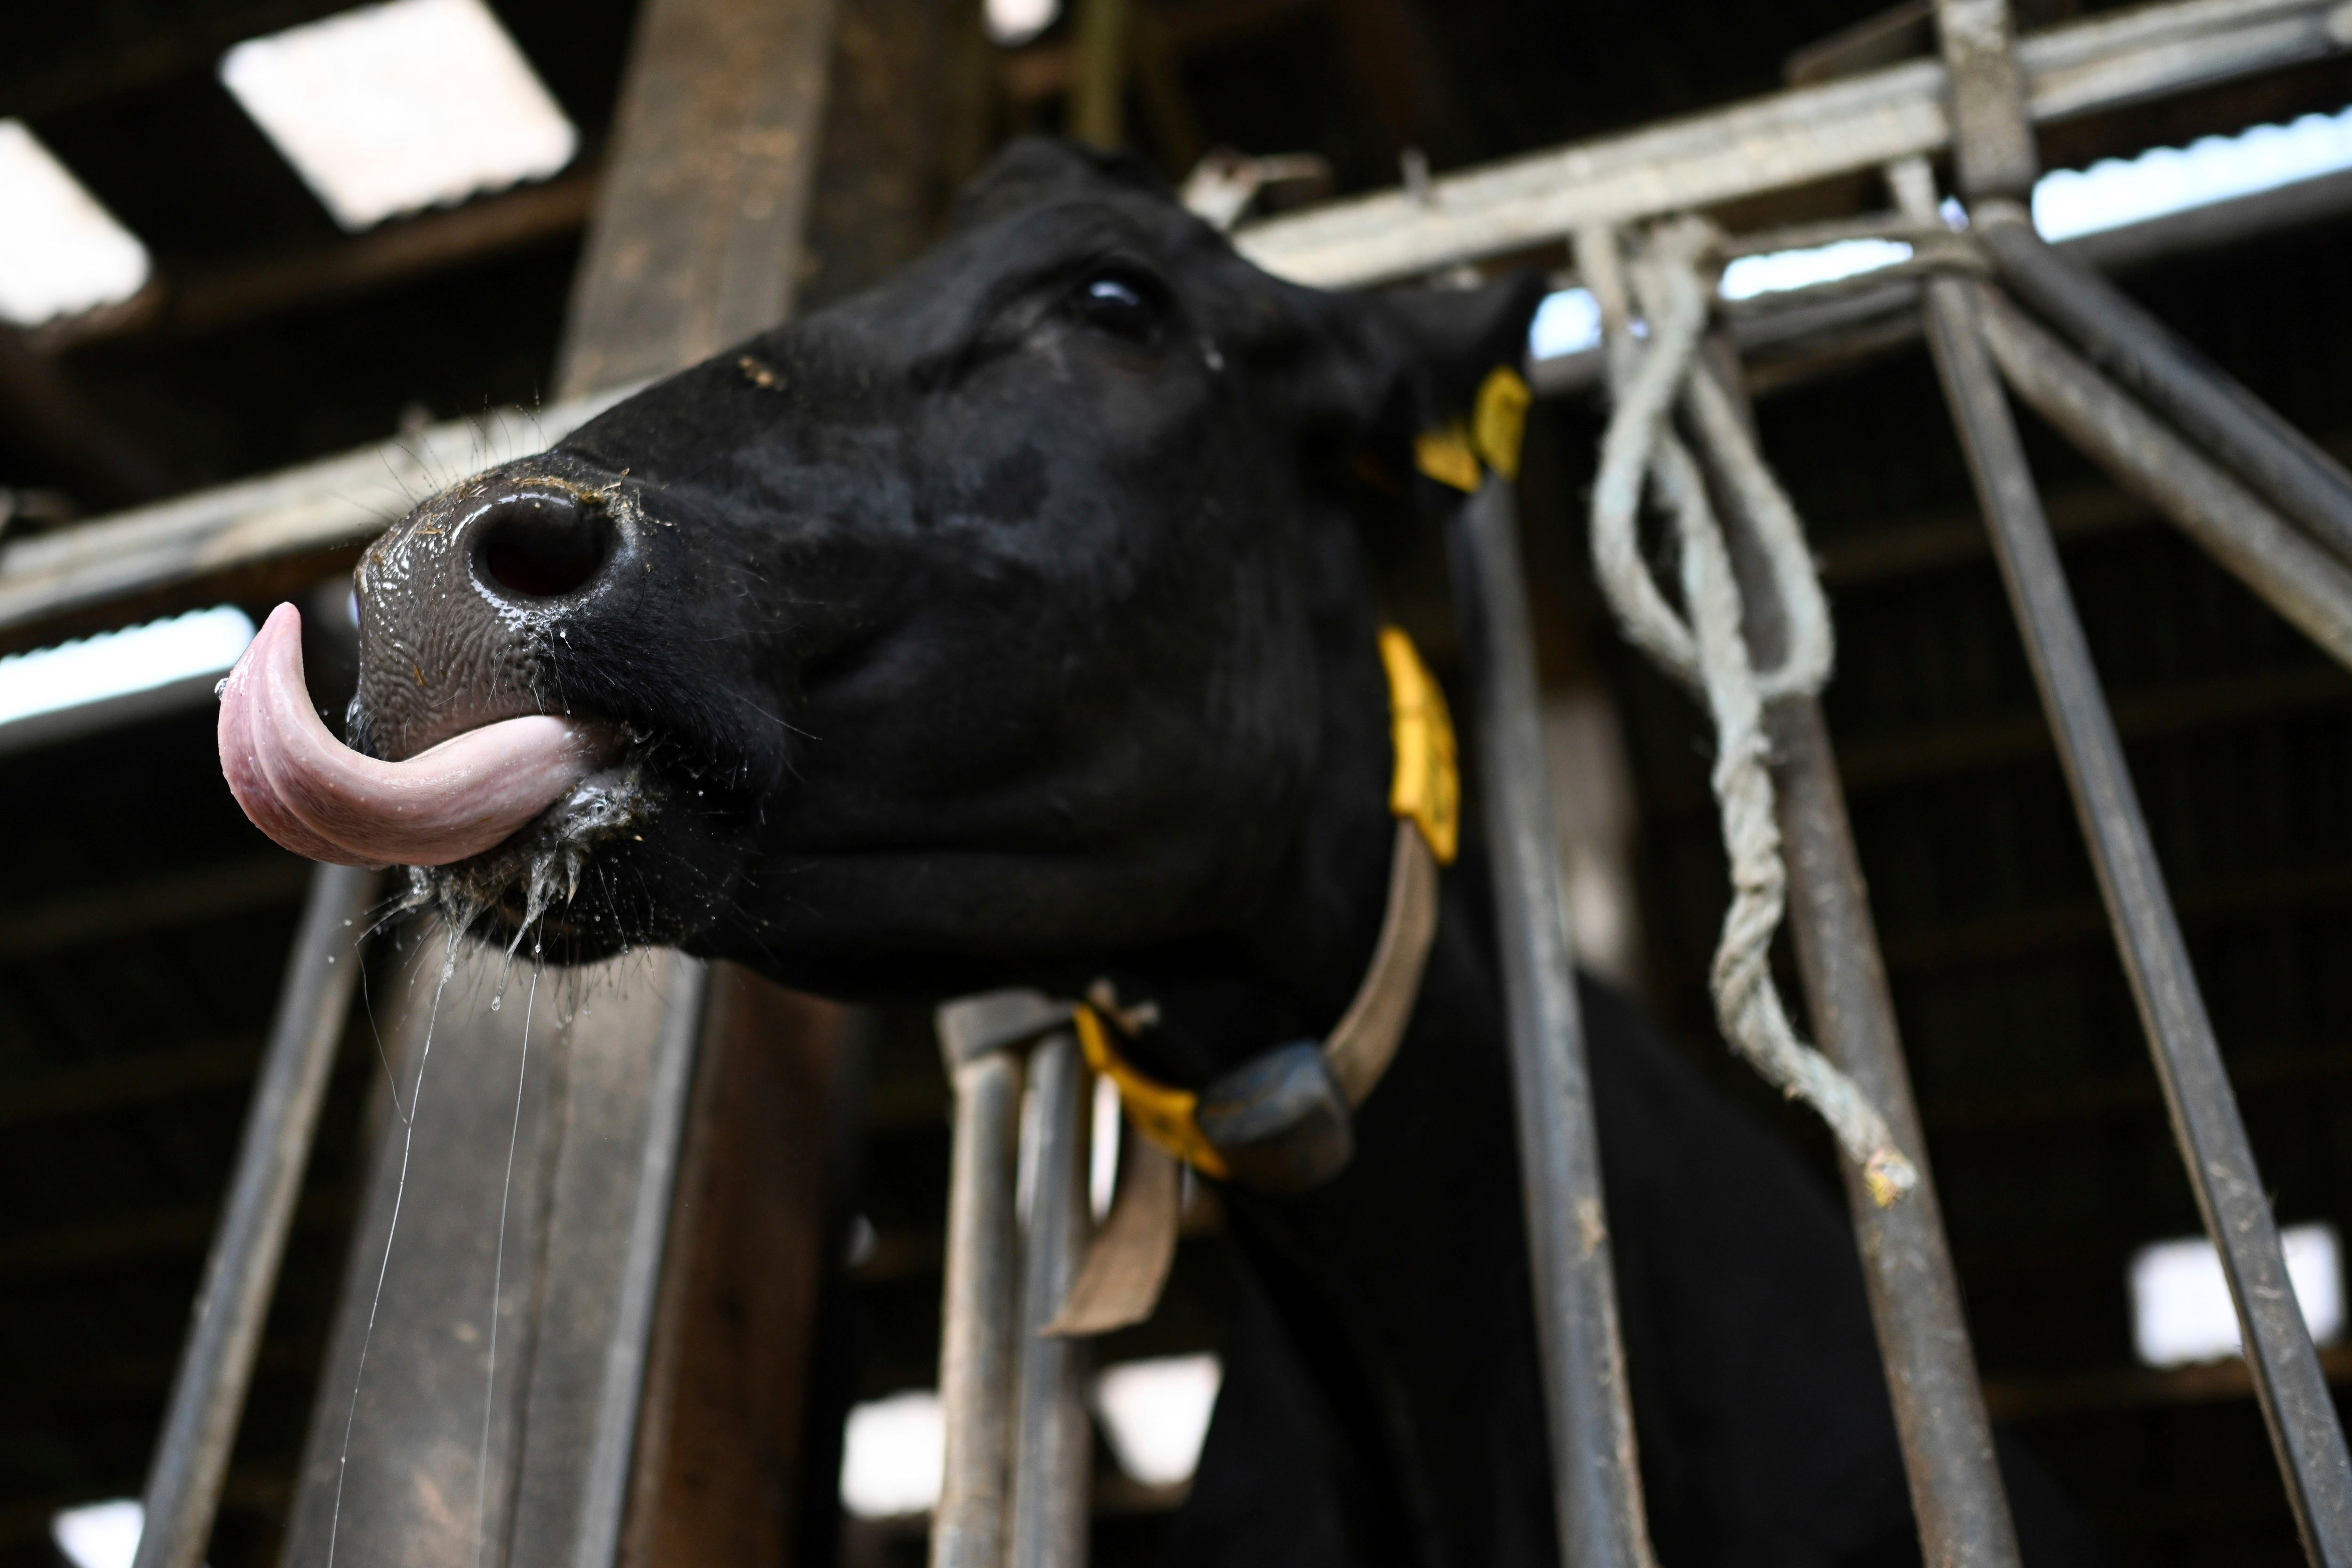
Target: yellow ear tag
{"x":1427,"y":788}
{"x":1160,"y":1112}
{"x":1500,"y":422}
{"x":1444,"y":455}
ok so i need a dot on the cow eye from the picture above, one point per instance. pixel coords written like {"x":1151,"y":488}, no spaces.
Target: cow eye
{"x":1120,"y":304}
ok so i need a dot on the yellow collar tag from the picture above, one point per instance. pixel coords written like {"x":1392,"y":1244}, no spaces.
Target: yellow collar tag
{"x":1161,"y":1113}
{"x":1451,"y":454}
{"x":1426,"y":790}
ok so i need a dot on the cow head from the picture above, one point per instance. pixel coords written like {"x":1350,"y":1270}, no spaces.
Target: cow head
{"x":1009,"y":615}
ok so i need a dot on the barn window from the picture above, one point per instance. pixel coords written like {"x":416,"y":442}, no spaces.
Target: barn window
{"x":393,"y":108}
{"x":1155,"y":1413}
{"x":1774,"y":270}
{"x":892,"y":1455}
{"x":100,"y":1534}
{"x":2164,"y":180}
{"x":1012,"y":23}
{"x":2180,"y":1303}
{"x":66,"y":254}
{"x":1567,"y":322}
{"x":199,"y":646}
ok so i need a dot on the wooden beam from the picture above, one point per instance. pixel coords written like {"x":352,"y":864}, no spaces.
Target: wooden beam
{"x":34,"y":83}
{"x":538,"y":1215}
{"x":1047,"y":69}
{"x":42,"y":409}
{"x":334,"y":504}
{"x":697,"y":235}
{"x":128,"y":1081}
{"x":157,"y":1234}
{"x":106,"y":914}
{"x":718,"y":1467}
{"x":397,"y":253}
{"x":2138,"y":1388}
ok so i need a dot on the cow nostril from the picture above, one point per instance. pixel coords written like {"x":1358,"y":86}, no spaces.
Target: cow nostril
{"x":541,"y":544}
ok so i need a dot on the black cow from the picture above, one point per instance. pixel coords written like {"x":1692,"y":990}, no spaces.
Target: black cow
{"x":1011,"y":623}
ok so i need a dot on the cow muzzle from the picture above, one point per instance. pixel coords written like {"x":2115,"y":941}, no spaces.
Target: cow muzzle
{"x":464,"y":608}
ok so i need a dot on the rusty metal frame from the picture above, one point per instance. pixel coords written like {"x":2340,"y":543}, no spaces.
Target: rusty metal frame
{"x":1964,"y":324}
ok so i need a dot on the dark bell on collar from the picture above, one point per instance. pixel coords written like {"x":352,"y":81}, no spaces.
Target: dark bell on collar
{"x":1280,"y":1120}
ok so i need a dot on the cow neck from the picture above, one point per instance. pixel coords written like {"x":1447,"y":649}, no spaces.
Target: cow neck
{"x":1248,"y":1124}
{"x":1284,"y":1121}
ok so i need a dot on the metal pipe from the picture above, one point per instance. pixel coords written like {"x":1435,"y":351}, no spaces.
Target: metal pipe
{"x":1053,"y":1442}
{"x":2145,"y":355}
{"x":1914,"y":1293}
{"x":1596,"y":1482}
{"x":2204,"y":1112}
{"x":216,"y":1367}
{"x":1914,"y":1298}
{"x":2306,"y":584}
{"x":976,"y":1337}
{"x":1992,"y":126}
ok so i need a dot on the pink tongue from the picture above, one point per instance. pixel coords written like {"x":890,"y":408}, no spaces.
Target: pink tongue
{"x":320,"y":799}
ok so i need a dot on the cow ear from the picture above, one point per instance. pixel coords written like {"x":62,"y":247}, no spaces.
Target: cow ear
{"x":1451,"y":339}
{"x":1382,"y":369}
{"x":1031,"y":170}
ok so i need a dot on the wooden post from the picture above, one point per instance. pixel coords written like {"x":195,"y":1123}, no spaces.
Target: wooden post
{"x":719,"y":1445}
{"x":695,"y":240}
{"x":519,"y":1266}
{"x":1099,"y":87}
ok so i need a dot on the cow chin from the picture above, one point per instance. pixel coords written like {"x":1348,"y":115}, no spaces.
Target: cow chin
{"x":619,"y":861}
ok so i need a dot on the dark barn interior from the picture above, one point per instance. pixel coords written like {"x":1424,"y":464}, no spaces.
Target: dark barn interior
{"x":144,"y":923}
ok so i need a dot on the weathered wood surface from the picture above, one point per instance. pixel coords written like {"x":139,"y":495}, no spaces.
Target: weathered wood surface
{"x":336,"y":504}
{"x":695,"y":243}
{"x":423,"y":1457}
{"x":720,"y":1451}
{"x":695,"y":240}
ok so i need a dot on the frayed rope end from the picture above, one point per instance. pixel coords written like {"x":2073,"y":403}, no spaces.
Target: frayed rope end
{"x":1888,"y":1176}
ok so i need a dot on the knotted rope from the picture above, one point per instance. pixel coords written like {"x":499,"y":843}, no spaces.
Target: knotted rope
{"x":1704,"y":646}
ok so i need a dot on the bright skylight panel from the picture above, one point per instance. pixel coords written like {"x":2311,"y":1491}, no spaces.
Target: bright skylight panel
{"x":1775,"y":271}
{"x":1156,"y":1414}
{"x":61,"y":253}
{"x":2181,"y":1311}
{"x":100,"y":1534}
{"x":115,"y":663}
{"x":1015,"y":22}
{"x":1567,"y":322}
{"x":893,"y":1456}
{"x":389,"y":108}
{"x":2164,"y":180}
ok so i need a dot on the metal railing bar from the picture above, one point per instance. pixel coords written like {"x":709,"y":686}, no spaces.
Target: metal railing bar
{"x":1596,"y":1481}
{"x":1774,"y":142}
{"x":2287,"y":1378}
{"x":976,"y":1349}
{"x":2148,"y":359}
{"x":1804,"y":328}
{"x":2306,"y":584}
{"x":1053,"y":1440}
{"x":1915,"y":1296}
{"x":192,"y":1454}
